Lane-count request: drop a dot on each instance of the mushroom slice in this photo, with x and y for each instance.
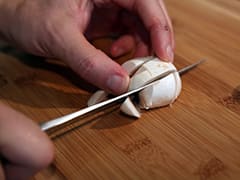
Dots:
(132, 66)
(129, 108)
(162, 93)
(178, 84)
(148, 72)
(97, 97)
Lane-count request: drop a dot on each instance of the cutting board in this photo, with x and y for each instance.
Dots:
(198, 137)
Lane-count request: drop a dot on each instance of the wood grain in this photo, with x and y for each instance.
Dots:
(197, 138)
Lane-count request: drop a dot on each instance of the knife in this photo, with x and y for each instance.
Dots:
(67, 118)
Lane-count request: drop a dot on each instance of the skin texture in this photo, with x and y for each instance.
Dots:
(63, 29)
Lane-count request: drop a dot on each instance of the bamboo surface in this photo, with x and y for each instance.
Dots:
(198, 137)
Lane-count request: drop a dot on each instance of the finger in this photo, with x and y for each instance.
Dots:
(122, 45)
(156, 21)
(24, 146)
(141, 50)
(140, 35)
(92, 64)
(1, 172)
(127, 43)
(161, 3)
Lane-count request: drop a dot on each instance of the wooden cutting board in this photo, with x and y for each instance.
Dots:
(197, 138)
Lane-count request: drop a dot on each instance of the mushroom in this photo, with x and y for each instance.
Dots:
(142, 71)
(97, 97)
(129, 108)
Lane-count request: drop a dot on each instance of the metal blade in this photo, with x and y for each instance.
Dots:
(64, 119)
(188, 68)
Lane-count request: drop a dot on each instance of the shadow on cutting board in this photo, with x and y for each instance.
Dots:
(32, 80)
(236, 94)
(108, 117)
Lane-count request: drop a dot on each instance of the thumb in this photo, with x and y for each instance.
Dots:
(93, 65)
(23, 145)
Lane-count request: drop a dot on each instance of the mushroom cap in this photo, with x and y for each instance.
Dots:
(132, 66)
(97, 97)
(149, 71)
(162, 93)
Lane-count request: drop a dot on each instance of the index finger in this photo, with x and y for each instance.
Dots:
(154, 16)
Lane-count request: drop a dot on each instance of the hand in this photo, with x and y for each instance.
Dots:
(24, 149)
(61, 29)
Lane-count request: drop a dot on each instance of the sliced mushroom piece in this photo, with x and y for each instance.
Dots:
(148, 72)
(162, 93)
(178, 84)
(129, 108)
(97, 97)
(132, 66)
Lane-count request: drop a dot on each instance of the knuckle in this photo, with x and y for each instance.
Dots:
(157, 24)
(85, 66)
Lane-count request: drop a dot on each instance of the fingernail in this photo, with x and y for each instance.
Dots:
(170, 54)
(117, 84)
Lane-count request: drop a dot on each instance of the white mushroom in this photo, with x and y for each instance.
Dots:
(148, 72)
(162, 93)
(97, 97)
(128, 108)
(143, 71)
(132, 66)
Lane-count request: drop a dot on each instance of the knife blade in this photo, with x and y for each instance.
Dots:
(67, 118)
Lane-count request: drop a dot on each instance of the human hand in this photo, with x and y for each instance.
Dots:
(61, 29)
(24, 148)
